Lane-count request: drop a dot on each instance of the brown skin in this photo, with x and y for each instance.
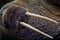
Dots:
(53, 6)
(54, 2)
(55, 9)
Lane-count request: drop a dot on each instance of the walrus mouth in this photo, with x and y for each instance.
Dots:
(14, 18)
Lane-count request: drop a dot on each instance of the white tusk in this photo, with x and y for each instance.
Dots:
(33, 28)
(39, 16)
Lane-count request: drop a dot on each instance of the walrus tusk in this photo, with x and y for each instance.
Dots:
(33, 28)
(39, 16)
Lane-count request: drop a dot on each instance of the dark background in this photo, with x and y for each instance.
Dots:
(3, 2)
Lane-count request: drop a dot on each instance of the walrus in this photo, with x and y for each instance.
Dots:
(20, 32)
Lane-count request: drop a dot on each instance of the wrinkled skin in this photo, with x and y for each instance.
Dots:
(43, 25)
(54, 2)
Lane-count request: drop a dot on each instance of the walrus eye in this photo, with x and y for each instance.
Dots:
(39, 16)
